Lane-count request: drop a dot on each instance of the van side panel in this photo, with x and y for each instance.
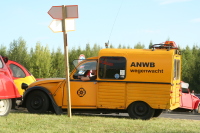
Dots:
(152, 66)
(156, 95)
(119, 95)
(149, 76)
(111, 95)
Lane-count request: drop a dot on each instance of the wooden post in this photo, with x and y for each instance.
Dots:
(66, 61)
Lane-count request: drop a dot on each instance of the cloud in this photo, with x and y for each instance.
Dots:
(165, 2)
(196, 20)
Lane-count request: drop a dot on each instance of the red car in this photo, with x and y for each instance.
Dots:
(20, 75)
(8, 90)
(189, 102)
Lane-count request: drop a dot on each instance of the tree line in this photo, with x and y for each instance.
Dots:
(45, 63)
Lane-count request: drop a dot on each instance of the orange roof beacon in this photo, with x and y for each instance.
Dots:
(141, 82)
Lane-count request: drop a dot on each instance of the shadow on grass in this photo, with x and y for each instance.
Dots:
(19, 110)
(111, 115)
(25, 111)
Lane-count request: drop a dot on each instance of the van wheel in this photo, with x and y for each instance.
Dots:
(37, 102)
(157, 112)
(140, 110)
(5, 106)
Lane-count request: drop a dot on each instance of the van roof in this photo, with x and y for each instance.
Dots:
(120, 52)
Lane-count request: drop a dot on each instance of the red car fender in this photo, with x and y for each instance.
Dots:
(196, 105)
(7, 87)
(195, 101)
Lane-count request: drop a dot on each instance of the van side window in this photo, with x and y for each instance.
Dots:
(176, 69)
(112, 67)
(86, 69)
(17, 71)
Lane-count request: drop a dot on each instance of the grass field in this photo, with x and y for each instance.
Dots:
(50, 123)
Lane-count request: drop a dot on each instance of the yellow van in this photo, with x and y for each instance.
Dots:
(141, 82)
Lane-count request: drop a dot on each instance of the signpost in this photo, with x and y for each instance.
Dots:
(71, 11)
(63, 23)
(56, 25)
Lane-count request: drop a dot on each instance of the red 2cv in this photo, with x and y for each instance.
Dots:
(188, 102)
(8, 90)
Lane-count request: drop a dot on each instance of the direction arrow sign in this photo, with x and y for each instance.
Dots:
(56, 25)
(55, 12)
(71, 12)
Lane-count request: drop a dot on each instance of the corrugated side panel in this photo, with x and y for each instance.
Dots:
(156, 95)
(111, 95)
(175, 97)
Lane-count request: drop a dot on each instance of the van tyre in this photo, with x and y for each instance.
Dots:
(5, 106)
(140, 110)
(157, 112)
(37, 102)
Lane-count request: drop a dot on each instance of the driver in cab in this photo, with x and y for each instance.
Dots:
(90, 74)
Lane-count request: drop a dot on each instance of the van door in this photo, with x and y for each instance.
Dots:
(176, 87)
(83, 93)
(112, 85)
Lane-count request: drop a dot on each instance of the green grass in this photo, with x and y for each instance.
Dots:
(51, 123)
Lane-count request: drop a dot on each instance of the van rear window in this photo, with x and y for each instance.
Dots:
(177, 66)
(112, 67)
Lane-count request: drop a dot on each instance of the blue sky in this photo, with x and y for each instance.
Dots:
(124, 22)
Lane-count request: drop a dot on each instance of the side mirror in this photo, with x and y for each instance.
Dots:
(24, 86)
